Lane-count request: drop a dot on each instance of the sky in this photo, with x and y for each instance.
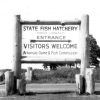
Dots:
(60, 10)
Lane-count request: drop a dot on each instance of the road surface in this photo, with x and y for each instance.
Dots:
(51, 92)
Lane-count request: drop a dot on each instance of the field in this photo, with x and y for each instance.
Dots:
(52, 92)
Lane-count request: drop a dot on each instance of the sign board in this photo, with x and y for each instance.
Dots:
(51, 42)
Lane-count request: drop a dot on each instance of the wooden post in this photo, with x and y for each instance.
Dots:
(78, 79)
(17, 56)
(21, 86)
(84, 55)
(90, 84)
(9, 82)
(29, 74)
(85, 33)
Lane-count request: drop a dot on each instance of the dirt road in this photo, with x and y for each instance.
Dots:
(52, 92)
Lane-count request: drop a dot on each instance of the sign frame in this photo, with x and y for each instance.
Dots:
(38, 22)
(18, 36)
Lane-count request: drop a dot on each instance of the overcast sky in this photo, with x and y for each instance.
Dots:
(42, 10)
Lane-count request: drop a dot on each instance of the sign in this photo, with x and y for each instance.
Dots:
(51, 42)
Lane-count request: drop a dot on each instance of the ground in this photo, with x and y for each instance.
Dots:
(52, 92)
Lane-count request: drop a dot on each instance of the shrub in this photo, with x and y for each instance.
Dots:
(56, 76)
(97, 75)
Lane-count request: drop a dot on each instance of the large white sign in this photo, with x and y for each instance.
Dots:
(51, 42)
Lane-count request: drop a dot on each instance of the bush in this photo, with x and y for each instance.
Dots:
(56, 76)
(62, 75)
(97, 75)
(66, 73)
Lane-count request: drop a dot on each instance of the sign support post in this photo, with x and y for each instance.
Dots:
(84, 55)
(17, 57)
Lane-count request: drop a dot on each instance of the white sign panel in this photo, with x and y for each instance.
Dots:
(51, 42)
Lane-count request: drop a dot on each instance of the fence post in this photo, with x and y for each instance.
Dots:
(90, 84)
(29, 74)
(21, 86)
(9, 82)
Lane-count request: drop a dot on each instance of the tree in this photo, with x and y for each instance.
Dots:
(94, 51)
